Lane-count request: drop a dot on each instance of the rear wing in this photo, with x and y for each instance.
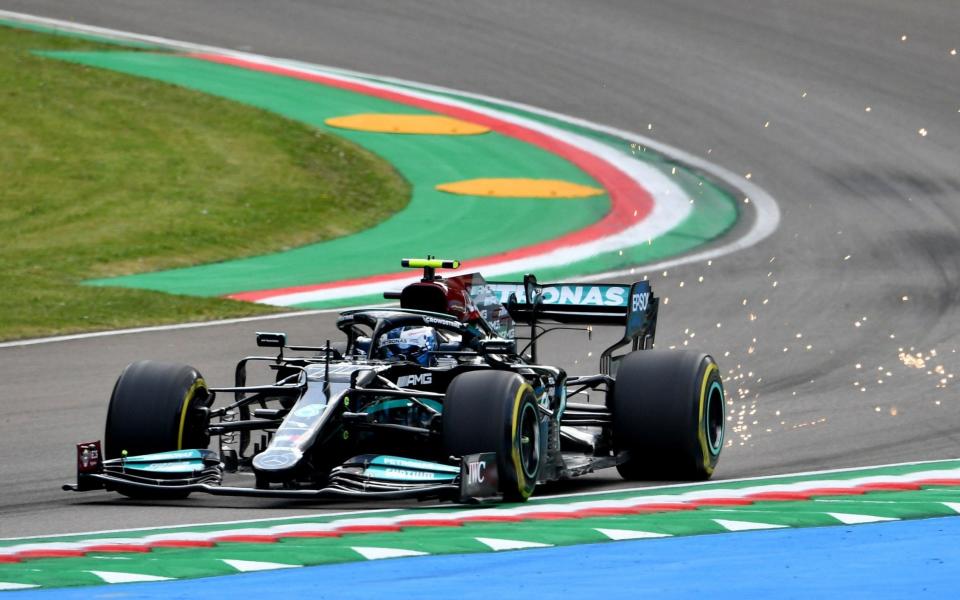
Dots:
(498, 305)
(634, 307)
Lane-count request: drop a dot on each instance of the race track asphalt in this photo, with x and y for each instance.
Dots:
(866, 260)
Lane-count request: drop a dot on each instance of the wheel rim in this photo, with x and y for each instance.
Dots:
(529, 430)
(714, 420)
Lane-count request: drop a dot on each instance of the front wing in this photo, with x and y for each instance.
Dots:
(182, 472)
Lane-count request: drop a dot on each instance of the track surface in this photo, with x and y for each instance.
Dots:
(850, 182)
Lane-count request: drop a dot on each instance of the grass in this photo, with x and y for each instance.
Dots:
(105, 174)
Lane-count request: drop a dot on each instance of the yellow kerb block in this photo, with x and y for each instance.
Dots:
(410, 124)
(520, 188)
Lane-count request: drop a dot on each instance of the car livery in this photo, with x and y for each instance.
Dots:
(476, 418)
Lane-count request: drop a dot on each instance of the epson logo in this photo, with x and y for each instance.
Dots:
(415, 379)
(640, 301)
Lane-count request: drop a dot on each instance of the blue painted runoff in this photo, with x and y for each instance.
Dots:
(885, 560)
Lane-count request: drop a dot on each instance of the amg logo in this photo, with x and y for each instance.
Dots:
(412, 380)
(476, 472)
(640, 301)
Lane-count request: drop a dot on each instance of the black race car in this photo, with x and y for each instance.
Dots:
(432, 399)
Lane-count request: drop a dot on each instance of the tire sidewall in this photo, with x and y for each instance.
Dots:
(711, 399)
(516, 483)
(149, 409)
(484, 411)
(662, 404)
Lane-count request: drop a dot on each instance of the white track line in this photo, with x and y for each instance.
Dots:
(535, 504)
(711, 492)
(767, 212)
(742, 479)
(176, 326)
(365, 511)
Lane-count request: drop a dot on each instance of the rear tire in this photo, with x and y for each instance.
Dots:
(154, 408)
(668, 413)
(496, 411)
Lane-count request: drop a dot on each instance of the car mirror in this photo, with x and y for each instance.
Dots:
(498, 346)
(271, 340)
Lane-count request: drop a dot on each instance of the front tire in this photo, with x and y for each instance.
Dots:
(156, 407)
(668, 413)
(496, 411)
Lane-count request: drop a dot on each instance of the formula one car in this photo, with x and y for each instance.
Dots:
(433, 399)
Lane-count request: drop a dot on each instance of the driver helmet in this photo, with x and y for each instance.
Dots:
(409, 343)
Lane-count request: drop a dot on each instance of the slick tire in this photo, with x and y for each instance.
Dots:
(496, 411)
(156, 407)
(668, 414)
